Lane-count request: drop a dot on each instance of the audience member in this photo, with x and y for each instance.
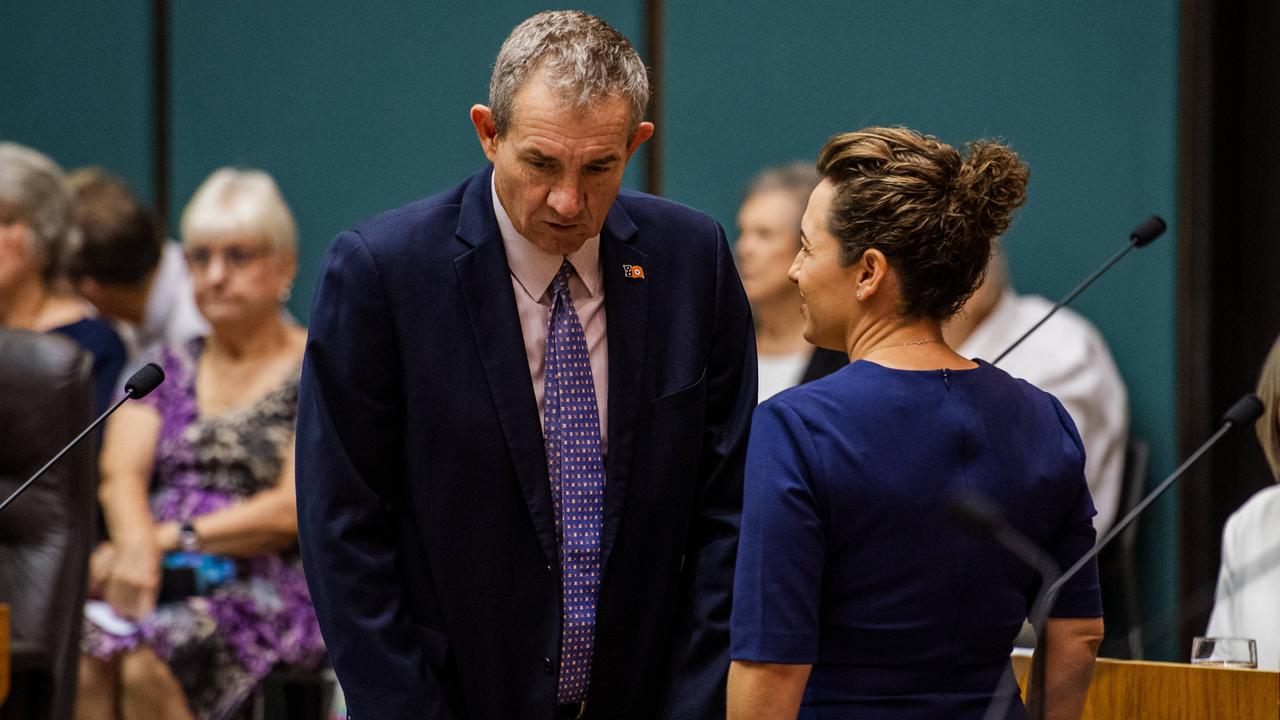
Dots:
(1249, 579)
(37, 233)
(855, 594)
(201, 472)
(768, 240)
(1067, 358)
(128, 271)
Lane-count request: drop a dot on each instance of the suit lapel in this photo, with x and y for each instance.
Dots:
(626, 313)
(485, 280)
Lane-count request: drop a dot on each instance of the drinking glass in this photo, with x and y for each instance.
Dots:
(1225, 652)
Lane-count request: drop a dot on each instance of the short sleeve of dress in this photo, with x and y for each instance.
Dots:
(778, 583)
(1081, 596)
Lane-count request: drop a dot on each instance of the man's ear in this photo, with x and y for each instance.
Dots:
(643, 132)
(486, 131)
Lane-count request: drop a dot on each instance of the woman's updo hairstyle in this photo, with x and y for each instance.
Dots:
(933, 213)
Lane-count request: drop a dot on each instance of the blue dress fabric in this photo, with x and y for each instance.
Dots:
(96, 336)
(849, 562)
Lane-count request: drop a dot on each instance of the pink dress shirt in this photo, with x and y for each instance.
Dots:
(531, 273)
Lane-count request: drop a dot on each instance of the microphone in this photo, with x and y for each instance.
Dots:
(1146, 231)
(1244, 411)
(139, 384)
(981, 517)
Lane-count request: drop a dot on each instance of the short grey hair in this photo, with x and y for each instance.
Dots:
(234, 202)
(580, 56)
(34, 190)
(797, 179)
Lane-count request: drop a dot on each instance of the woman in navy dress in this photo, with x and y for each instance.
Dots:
(855, 596)
(37, 231)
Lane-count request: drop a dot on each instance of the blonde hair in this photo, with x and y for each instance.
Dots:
(1268, 426)
(240, 202)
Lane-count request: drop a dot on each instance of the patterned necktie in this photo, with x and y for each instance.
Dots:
(576, 468)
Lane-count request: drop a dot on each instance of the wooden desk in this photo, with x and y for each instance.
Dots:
(4, 652)
(1129, 690)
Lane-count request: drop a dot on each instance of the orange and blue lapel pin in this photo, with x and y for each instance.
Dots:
(633, 272)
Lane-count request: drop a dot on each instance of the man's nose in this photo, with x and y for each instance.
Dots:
(566, 197)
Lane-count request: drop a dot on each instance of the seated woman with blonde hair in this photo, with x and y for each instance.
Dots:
(201, 473)
(1248, 591)
(856, 596)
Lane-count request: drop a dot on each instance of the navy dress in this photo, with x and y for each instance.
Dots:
(849, 563)
(96, 336)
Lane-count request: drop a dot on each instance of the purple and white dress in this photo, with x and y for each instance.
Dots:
(221, 645)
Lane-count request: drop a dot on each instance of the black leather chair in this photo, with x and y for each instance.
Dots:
(46, 399)
(1118, 565)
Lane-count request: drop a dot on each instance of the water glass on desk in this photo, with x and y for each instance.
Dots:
(1224, 652)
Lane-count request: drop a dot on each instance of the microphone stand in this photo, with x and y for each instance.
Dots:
(1149, 230)
(140, 383)
(977, 513)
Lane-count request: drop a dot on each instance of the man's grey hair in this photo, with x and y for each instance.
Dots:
(34, 191)
(797, 179)
(580, 56)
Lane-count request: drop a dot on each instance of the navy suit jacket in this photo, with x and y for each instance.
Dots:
(424, 508)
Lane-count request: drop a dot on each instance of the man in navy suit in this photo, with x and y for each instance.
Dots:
(523, 419)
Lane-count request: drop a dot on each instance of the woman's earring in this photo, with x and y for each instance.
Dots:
(286, 294)
(859, 294)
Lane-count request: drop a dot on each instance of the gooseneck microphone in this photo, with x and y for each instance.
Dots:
(142, 382)
(1148, 230)
(1244, 411)
(981, 517)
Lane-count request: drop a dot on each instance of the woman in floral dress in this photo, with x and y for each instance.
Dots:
(204, 465)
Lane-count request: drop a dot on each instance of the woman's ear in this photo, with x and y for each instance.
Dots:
(869, 272)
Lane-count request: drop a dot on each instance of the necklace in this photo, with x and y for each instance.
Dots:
(898, 345)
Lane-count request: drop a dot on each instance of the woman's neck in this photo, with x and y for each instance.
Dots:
(904, 344)
(247, 342)
(33, 305)
(22, 303)
(779, 326)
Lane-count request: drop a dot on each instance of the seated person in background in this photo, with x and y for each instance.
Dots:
(768, 239)
(205, 464)
(1067, 358)
(128, 271)
(37, 232)
(855, 595)
(1247, 603)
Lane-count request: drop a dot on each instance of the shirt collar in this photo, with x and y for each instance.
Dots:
(160, 302)
(533, 268)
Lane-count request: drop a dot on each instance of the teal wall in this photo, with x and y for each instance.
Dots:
(355, 112)
(75, 83)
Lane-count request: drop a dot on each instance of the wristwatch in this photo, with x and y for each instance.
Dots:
(188, 538)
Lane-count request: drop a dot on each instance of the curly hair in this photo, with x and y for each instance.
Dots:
(933, 213)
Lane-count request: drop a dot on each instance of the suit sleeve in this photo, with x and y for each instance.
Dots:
(700, 659)
(349, 475)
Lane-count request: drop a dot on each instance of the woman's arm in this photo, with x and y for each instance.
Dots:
(1072, 647)
(765, 691)
(126, 461)
(265, 522)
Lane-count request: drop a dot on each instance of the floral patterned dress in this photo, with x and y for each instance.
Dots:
(221, 645)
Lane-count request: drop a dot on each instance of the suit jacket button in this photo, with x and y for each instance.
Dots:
(548, 567)
(547, 667)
